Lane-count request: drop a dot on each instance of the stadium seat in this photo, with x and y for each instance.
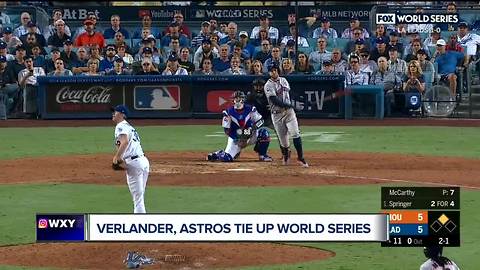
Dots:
(312, 42)
(342, 43)
(331, 44)
(305, 50)
(109, 41)
(432, 49)
(317, 66)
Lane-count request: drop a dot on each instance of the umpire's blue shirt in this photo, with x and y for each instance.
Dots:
(447, 62)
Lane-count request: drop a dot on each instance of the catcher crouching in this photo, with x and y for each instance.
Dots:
(243, 126)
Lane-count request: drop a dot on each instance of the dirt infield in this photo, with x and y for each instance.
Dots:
(191, 169)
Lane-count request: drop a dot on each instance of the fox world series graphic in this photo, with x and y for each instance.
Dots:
(60, 227)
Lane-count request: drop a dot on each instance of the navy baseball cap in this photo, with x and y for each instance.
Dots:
(121, 109)
(324, 20)
(173, 57)
(353, 18)
(290, 43)
(273, 65)
(118, 59)
(31, 24)
(359, 41)
(394, 33)
(3, 45)
(147, 50)
(3, 59)
(7, 30)
(380, 40)
(327, 63)
(463, 24)
(67, 42)
(206, 40)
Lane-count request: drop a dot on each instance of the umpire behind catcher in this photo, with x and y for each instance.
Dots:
(257, 98)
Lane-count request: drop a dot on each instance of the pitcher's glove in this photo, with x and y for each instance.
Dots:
(117, 166)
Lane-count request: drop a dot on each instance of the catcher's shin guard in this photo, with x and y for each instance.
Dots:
(263, 141)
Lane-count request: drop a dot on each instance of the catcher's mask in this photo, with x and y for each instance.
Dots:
(258, 86)
(433, 251)
(238, 100)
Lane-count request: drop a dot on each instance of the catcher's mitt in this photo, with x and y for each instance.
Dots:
(244, 135)
(117, 166)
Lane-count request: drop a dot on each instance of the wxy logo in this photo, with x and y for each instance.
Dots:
(55, 223)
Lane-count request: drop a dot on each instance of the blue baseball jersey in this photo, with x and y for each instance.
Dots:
(234, 121)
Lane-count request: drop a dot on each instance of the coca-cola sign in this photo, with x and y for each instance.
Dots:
(83, 98)
(92, 95)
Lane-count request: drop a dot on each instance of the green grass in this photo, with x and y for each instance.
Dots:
(21, 202)
(438, 141)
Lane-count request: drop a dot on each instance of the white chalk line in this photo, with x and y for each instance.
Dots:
(399, 180)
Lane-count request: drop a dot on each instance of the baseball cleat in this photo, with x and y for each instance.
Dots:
(212, 157)
(303, 162)
(265, 158)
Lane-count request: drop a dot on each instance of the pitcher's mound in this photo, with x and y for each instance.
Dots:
(167, 255)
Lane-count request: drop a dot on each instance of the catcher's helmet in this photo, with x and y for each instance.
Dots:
(434, 251)
(238, 94)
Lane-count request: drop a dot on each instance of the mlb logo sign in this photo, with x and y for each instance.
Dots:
(217, 101)
(385, 18)
(157, 97)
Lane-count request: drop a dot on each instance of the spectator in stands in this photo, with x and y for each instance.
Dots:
(4, 52)
(451, 9)
(32, 30)
(469, 40)
(147, 54)
(355, 26)
(203, 34)
(95, 52)
(354, 76)
(50, 63)
(302, 42)
(231, 37)
(276, 57)
(366, 65)
(265, 52)
(92, 65)
(262, 35)
(355, 46)
(184, 60)
(247, 47)
(395, 64)
(206, 69)
(126, 57)
(183, 28)
(90, 36)
(93, 18)
(11, 40)
(426, 66)
(18, 64)
(447, 62)
(239, 51)
(394, 42)
(25, 18)
(380, 50)
(327, 68)
(60, 69)
(32, 41)
(432, 39)
(205, 51)
(173, 47)
(287, 67)
(273, 34)
(38, 59)
(107, 63)
(413, 80)
(413, 36)
(4, 18)
(118, 68)
(213, 29)
(59, 36)
(302, 64)
(453, 44)
(157, 56)
(325, 30)
(68, 55)
(27, 79)
(222, 62)
(80, 65)
(389, 80)
(257, 68)
(214, 39)
(247, 65)
(8, 86)
(147, 24)
(109, 33)
(173, 68)
(235, 68)
(289, 50)
(174, 32)
(339, 64)
(412, 54)
(57, 14)
(223, 30)
(119, 39)
(380, 32)
(137, 48)
(321, 54)
(303, 28)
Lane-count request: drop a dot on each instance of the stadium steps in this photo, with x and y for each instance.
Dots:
(463, 108)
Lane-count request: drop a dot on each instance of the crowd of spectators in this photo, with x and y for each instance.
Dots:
(382, 55)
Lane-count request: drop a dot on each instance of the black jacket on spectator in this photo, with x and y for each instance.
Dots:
(69, 60)
(262, 56)
(56, 41)
(375, 54)
(40, 39)
(189, 66)
(13, 68)
(5, 78)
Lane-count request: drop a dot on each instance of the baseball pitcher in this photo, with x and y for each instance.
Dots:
(243, 126)
(283, 116)
(436, 261)
(129, 151)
